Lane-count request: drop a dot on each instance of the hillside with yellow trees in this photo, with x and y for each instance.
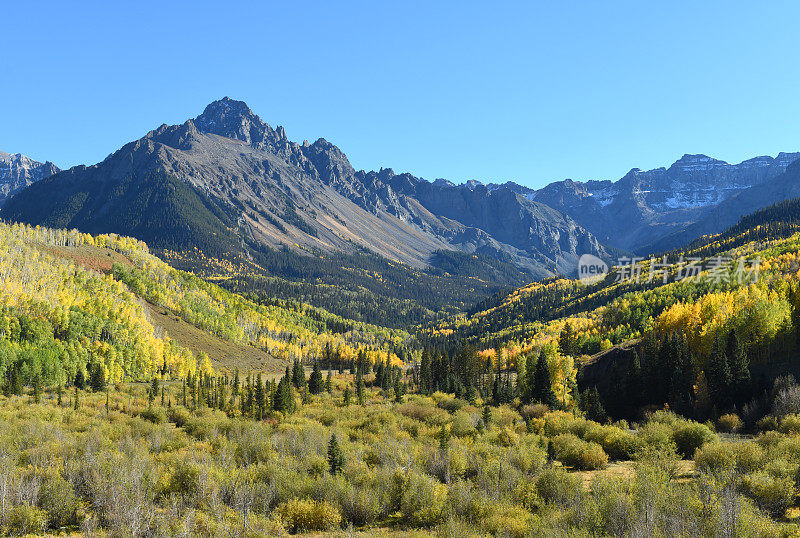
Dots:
(73, 302)
(711, 323)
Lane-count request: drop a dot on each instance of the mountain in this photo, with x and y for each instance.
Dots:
(645, 206)
(228, 184)
(18, 171)
(783, 187)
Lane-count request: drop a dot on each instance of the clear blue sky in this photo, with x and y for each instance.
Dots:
(530, 92)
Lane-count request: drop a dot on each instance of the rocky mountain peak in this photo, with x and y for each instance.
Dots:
(18, 171)
(234, 119)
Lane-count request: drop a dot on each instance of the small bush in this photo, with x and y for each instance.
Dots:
(690, 436)
(452, 405)
(574, 452)
(730, 423)
(507, 520)
(179, 416)
(715, 458)
(59, 500)
(26, 519)
(766, 424)
(790, 424)
(154, 415)
(534, 411)
(558, 487)
(771, 494)
(592, 457)
(184, 480)
(308, 515)
(423, 501)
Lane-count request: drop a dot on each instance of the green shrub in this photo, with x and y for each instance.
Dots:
(451, 405)
(574, 452)
(59, 500)
(25, 519)
(423, 501)
(768, 423)
(616, 506)
(179, 416)
(154, 415)
(729, 423)
(592, 457)
(715, 458)
(308, 515)
(617, 443)
(689, 436)
(558, 487)
(505, 519)
(656, 436)
(790, 424)
(771, 494)
(184, 479)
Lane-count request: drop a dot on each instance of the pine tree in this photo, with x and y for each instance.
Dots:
(592, 406)
(719, 376)
(260, 399)
(567, 341)
(487, 416)
(542, 385)
(298, 375)
(80, 379)
(444, 439)
(346, 395)
(315, 385)
(76, 403)
(60, 393)
(329, 383)
(360, 388)
(97, 377)
(335, 456)
(739, 367)
(37, 389)
(425, 373)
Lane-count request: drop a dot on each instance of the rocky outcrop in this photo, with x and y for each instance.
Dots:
(18, 171)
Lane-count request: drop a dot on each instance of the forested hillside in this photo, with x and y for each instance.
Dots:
(719, 317)
(74, 302)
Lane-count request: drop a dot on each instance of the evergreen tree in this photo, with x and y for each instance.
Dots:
(60, 393)
(567, 341)
(592, 406)
(426, 373)
(487, 416)
(80, 379)
(542, 385)
(739, 367)
(718, 375)
(335, 456)
(444, 439)
(260, 399)
(37, 389)
(346, 395)
(315, 385)
(97, 377)
(329, 383)
(298, 375)
(360, 389)
(76, 402)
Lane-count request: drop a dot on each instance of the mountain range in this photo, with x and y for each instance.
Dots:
(18, 171)
(227, 185)
(226, 181)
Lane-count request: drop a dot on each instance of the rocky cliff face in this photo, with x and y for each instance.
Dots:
(250, 180)
(644, 206)
(18, 171)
